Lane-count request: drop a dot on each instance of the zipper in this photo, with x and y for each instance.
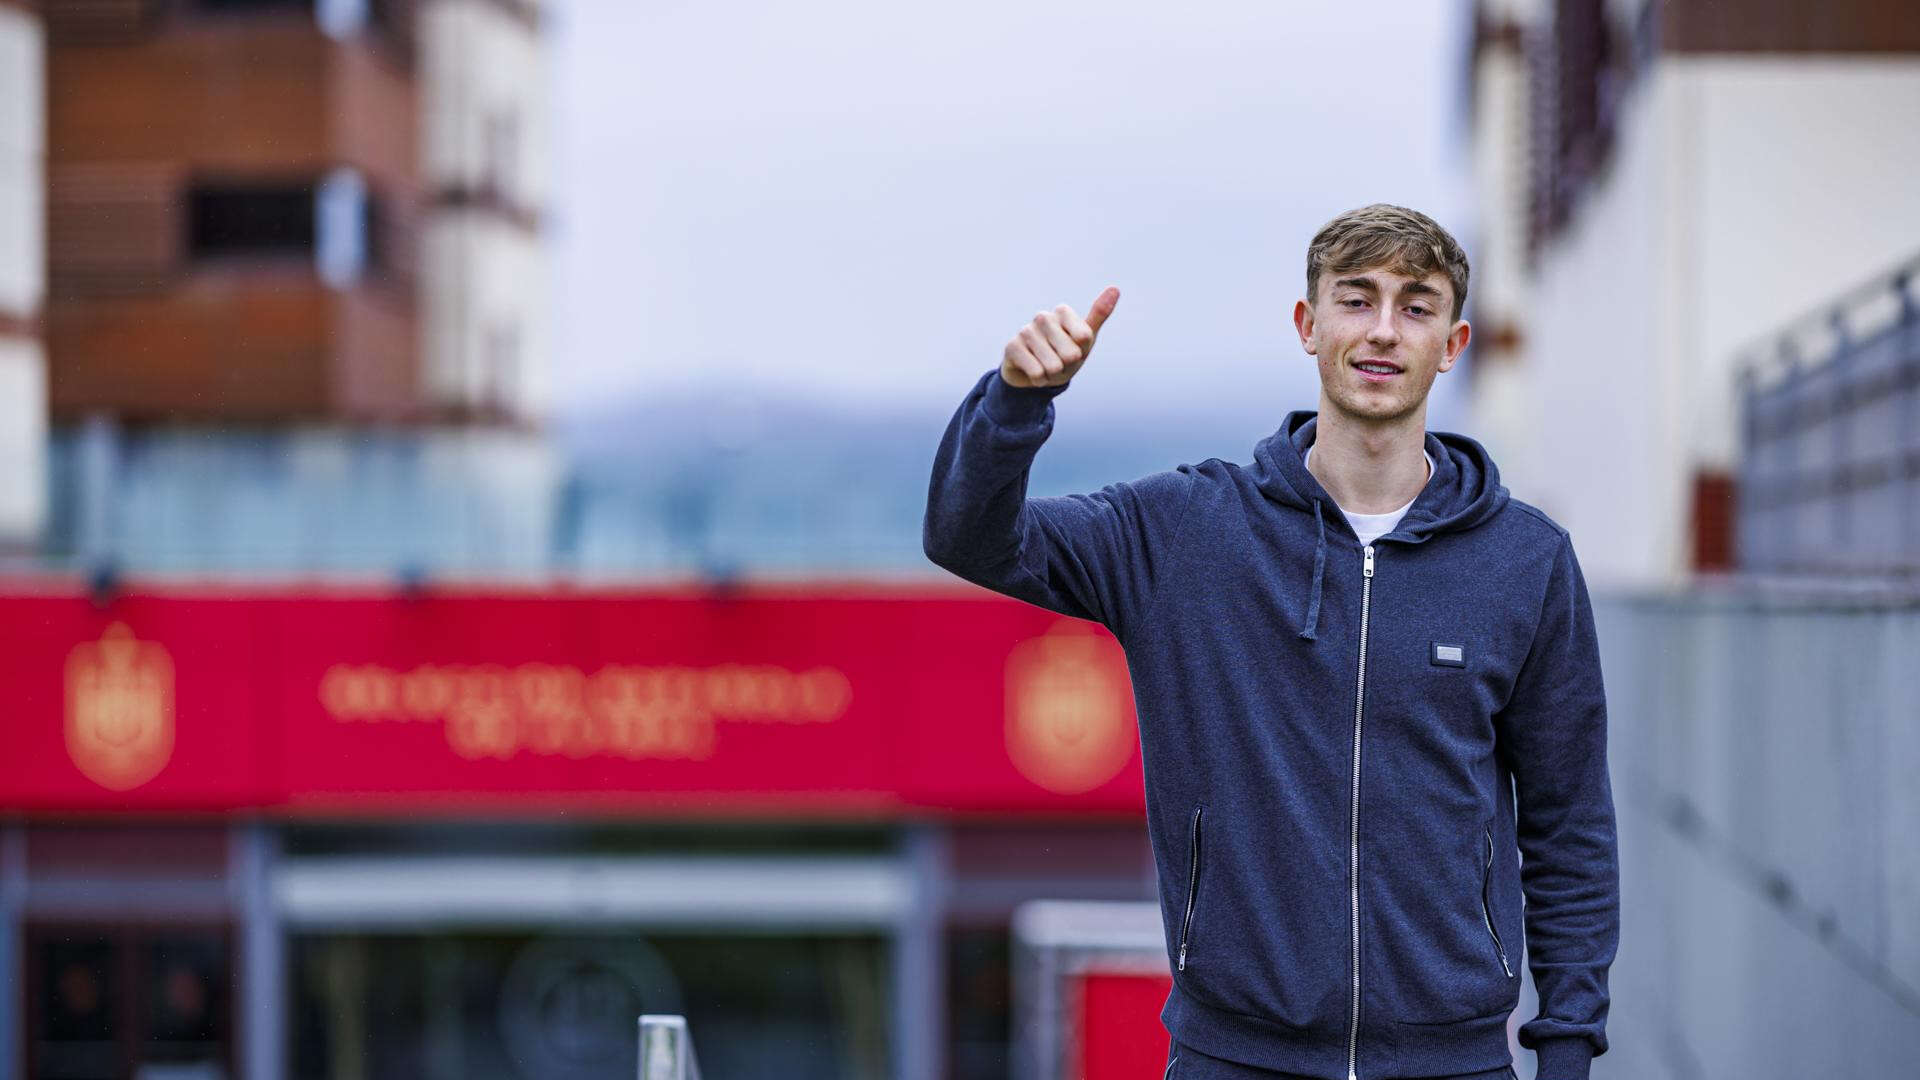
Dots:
(1193, 885)
(1486, 905)
(1359, 707)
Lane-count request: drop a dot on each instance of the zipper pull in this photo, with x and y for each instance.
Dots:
(1369, 567)
(1183, 958)
(1351, 1076)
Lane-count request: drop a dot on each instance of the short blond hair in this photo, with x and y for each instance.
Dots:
(1392, 237)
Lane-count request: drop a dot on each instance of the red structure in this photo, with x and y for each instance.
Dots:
(317, 832)
(756, 701)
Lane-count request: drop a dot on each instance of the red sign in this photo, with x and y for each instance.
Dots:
(1120, 1033)
(755, 699)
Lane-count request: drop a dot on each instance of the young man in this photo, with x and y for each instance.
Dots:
(1366, 681)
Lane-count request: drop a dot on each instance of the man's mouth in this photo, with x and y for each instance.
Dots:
(1377, 370)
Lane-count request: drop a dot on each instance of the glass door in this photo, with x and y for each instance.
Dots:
(116, 1001)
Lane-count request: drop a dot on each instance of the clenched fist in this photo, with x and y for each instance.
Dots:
(1048, 350)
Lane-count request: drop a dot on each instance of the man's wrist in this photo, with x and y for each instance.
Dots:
(1568, 1058)
(1018, 406)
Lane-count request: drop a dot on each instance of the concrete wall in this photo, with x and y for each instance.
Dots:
(1763, 752)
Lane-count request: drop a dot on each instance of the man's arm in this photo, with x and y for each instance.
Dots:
(1095, 556)
(1553, 735)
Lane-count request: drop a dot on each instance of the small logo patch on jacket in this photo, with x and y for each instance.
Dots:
(1449, 655)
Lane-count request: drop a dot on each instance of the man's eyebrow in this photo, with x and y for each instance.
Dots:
(1419, 288)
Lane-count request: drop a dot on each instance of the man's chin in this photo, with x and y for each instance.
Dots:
(1374, 412)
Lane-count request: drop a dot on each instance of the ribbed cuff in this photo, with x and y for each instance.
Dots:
(1562, 1059)
(1017, 406)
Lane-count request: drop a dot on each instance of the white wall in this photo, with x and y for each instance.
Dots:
(485, 77)
(1501, 402)
(485, 287)
(23, 396)
(23, 440)
(22, 150)
(1742, 191)
(1590, 446)
(484, 292)
(1803, 180)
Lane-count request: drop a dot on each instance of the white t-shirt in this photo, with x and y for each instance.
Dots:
(1373, 526)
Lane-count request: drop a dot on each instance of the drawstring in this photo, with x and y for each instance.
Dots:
(1319, 564)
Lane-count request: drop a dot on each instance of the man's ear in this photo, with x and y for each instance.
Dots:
(1456, 341)
(1303, 323)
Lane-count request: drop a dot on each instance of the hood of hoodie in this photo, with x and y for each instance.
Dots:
(1463, 491)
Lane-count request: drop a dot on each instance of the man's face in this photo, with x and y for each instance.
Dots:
(1377, 315)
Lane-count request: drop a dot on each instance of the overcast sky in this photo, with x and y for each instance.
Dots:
(860, 202)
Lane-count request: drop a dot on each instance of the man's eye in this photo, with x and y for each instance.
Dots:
(1349, 303)
(1420, 310)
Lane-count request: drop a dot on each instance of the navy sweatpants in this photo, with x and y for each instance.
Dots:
(1186, 1063)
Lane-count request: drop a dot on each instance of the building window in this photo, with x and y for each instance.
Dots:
(128, 1000)
(344, 209)
(263, 219)
(252, 5)
(336, 222)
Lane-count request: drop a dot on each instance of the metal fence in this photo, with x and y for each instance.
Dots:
(1830, 466)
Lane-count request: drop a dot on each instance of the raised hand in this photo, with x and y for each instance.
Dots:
(1051, 348)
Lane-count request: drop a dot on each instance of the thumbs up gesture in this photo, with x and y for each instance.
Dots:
(1048, 350)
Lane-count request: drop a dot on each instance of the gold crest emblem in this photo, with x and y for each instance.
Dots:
(119, 708)
(1068, 727)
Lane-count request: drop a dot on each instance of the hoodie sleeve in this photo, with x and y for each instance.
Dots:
(1095, 556)
(1553, 731)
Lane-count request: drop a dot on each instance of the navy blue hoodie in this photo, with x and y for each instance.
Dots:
(1347, 749)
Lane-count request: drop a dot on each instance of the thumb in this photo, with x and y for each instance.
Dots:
(1103, 306)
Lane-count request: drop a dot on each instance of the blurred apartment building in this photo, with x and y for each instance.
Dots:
(1667, 188)
(295, 303)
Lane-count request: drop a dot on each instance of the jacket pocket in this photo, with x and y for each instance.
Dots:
(1486, 905)
(1193, 885)
(1257, 920)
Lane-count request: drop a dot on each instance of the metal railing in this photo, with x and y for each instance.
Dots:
(666, 1048)
(1830, 430)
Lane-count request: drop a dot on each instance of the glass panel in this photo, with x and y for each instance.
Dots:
(75, 1029)
(979, 1004)
(566, 1007)
(185, 1011)
(250, 220)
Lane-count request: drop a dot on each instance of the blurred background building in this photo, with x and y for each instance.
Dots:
(1662, 183)
(296, 316)
(1696, 347)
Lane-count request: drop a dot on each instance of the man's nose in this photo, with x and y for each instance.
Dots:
(1382, 331)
